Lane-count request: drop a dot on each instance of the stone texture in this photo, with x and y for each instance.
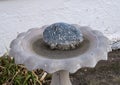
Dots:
(116, 45)
(62, 36)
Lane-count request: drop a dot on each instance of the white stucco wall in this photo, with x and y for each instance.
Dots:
(20, 15)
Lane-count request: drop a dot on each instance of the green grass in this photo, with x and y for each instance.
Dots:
(12, 74)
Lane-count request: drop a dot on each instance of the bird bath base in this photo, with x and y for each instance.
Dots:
(61, 78)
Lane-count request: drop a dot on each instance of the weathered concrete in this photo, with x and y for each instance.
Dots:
(61, 78)
(30, 49)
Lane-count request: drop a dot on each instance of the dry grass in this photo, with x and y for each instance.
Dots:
(12, 74)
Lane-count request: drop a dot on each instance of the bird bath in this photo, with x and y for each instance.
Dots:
(45, 48)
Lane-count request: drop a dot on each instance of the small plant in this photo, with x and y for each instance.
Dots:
(12, 74)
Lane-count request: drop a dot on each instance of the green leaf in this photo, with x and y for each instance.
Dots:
(27, 78)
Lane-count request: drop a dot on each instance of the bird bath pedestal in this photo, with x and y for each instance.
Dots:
(59, 49)
(61, 78)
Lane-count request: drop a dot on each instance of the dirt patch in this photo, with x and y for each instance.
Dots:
(105, 72)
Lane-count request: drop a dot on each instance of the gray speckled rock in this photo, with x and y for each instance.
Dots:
(116, 45)
(62, 36)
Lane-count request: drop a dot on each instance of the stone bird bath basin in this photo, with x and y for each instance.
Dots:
(35, 50)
